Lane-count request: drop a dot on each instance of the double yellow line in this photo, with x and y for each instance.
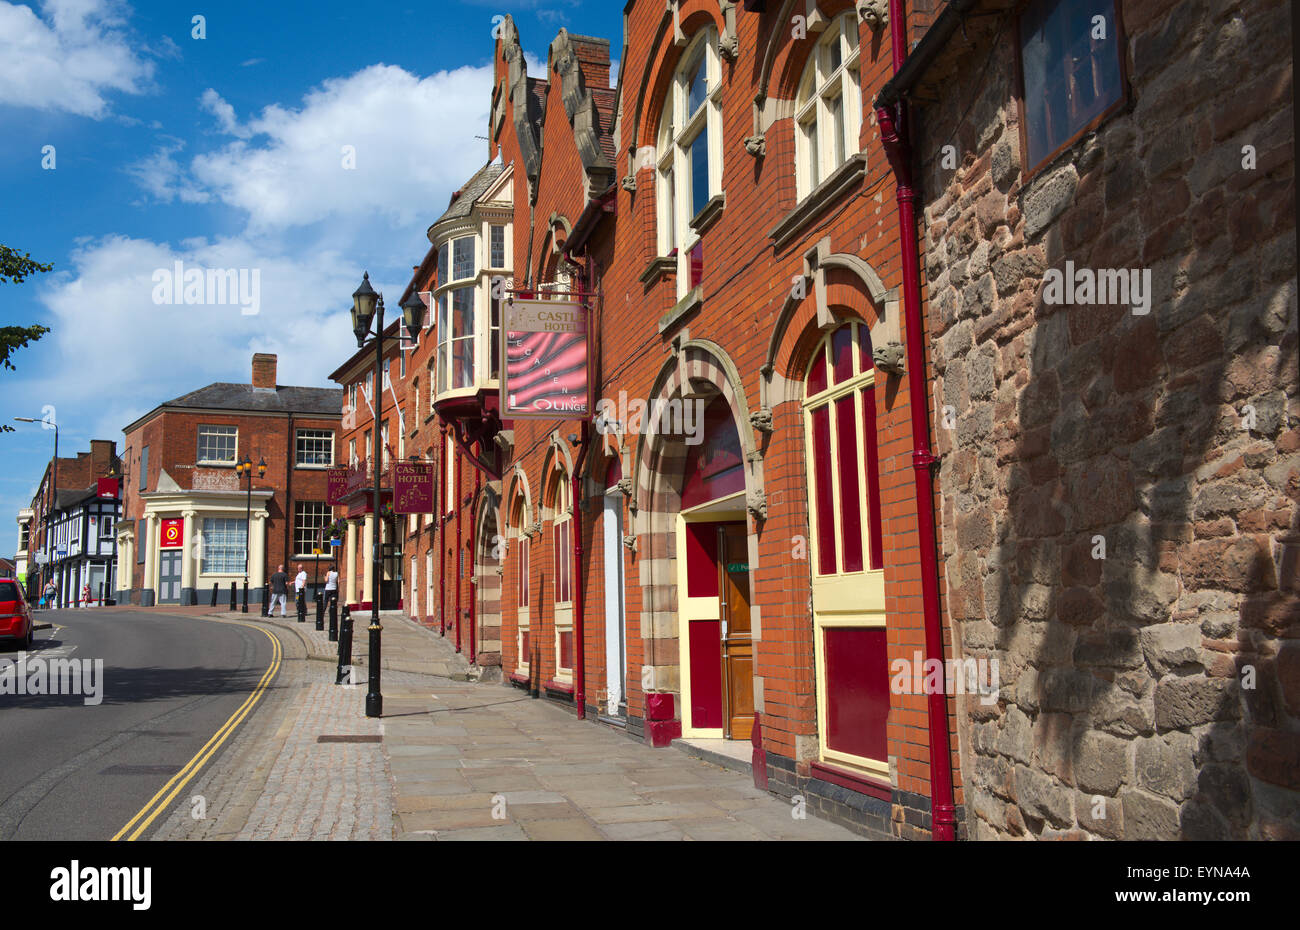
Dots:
(168, 792)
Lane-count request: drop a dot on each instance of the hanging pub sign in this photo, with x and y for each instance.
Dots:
(336, 485)
(546, 360)
(172, 534)
(413, 487)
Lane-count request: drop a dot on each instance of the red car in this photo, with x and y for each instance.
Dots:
(16, 623)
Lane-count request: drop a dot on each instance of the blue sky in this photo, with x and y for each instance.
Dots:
(224, 152)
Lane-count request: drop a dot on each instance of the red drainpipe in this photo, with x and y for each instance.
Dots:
(893, 135)
(442, 541)
(579, 632)
(473, 597)
(459, 553)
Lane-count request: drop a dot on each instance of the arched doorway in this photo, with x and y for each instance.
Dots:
(489, 560)
(714, 591)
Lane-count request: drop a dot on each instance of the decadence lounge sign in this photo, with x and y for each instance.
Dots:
(546, 360)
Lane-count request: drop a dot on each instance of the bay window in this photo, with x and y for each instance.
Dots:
(828, 107)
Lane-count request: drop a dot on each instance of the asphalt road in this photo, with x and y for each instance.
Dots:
(73, 771)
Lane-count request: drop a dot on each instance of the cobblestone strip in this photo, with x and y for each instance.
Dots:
(332, 790)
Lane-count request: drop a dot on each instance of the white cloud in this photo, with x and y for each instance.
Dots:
(164, 179)
(225, 114)
(69, 59)
(102, 315)
(413, 140)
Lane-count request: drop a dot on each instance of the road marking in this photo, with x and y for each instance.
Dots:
(154, 807)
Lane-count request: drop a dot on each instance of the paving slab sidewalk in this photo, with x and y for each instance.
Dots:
(466, 760)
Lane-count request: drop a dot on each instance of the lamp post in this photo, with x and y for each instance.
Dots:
(245, 469)
(368, 306)
(53, 495)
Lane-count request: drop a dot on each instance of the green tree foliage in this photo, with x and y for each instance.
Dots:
(17, 268)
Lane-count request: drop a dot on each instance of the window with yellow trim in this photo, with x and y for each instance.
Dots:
(846, 551)
(561, 498)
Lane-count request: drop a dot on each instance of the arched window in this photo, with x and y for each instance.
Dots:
(848, 588)
(561, 500)
(689, 149)
(840, 413)
(828, 107)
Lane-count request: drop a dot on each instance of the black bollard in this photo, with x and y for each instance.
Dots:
(301, 599)
(214, 594)
(244, 608)
(234, 597)
(345, 645)
(334, 617)
(320, 611)
(266, 599)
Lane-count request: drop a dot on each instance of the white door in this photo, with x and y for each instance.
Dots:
(615, 644)
(415, 594)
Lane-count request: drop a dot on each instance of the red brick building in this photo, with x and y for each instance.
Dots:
(356, 451)
(189, 520)
(741, 266)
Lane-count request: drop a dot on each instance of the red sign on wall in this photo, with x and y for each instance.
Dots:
(336, 485)
(172, 534)
(106, 487)
(546, 360)
(413, 487)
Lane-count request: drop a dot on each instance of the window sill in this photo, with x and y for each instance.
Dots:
(854, 781)
(559, 687)
(822, 196)
(658, 268)
(709, 213)
(312, 467)
(687, 305)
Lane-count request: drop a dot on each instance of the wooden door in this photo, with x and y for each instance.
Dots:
(737, 643)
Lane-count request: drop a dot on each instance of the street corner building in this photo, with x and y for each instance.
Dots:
(195, 525)
(862, 394)
(68, 534)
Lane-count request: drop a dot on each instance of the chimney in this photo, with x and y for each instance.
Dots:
(593, 60)
(263, 372)
(103, 452)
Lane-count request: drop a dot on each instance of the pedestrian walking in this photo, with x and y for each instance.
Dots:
(331, 583)
(48, 594)
(279, 590)
(85, 594)
(300, 589)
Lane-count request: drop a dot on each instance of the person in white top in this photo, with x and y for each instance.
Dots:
(300, 580)
(331, 583)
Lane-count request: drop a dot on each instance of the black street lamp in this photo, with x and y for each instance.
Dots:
(368, 306)
(245, 469)
(53, 498)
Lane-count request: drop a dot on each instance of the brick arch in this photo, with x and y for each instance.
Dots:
(657, 484)
(841, 281)
(557, 457)
(691, 16)
(518, 488)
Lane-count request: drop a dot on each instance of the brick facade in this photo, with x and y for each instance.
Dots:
(169, 483)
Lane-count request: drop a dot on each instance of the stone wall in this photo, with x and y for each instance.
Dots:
(1121, 491)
